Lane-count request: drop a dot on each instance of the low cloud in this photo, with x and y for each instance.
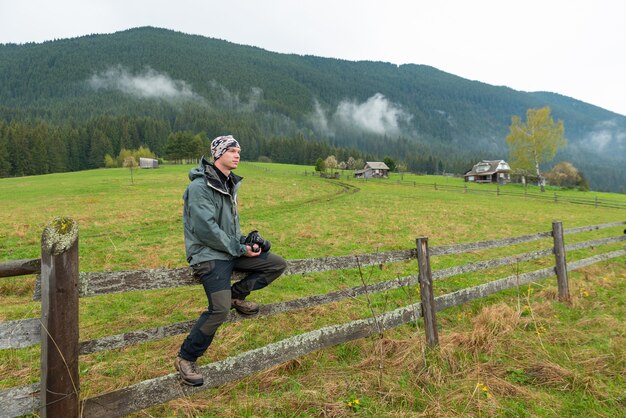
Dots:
(319, 120)
(376, 115)
(231, 101)
(149, 84)
(606, 137)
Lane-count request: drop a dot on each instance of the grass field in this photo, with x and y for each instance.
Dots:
(518, 353)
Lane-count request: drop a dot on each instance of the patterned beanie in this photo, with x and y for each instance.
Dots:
(220, 144)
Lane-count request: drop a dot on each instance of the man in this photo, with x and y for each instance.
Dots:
(215, 248)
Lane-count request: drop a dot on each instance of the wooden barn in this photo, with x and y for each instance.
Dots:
(148, 163)
(490, 171)
(372, 170)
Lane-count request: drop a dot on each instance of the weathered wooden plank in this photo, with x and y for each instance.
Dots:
(20, 333)
(134, 337)
(594, 243)
(338, 295)
(20, 401)
(471, 293)
(122, 281)
(14, 268)
(102, 283)
(485, 245)
(575, 265)
(492, 263)
(316, 265)
(162, 389)
(592, 227)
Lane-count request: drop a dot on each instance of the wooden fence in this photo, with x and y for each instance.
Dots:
(498, 190)
(58, 392)
(488, 189)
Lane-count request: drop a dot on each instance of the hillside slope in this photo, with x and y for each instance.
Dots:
(202, 84)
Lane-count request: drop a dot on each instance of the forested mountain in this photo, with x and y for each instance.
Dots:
(65, 104)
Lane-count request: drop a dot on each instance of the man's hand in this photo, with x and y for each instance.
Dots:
(252, 251)
(254, 238)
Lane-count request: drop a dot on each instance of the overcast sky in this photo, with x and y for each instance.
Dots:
(573, 47)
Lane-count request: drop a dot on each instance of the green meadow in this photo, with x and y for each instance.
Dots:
(518, 353)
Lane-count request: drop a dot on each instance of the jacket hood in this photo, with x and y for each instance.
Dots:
(199, 171)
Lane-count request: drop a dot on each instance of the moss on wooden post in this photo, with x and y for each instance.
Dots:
(59, 235)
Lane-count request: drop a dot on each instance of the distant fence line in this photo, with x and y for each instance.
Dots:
(57, 330)
(500, 190)
(503, 190)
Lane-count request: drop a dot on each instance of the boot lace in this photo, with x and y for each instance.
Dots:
(193, 367)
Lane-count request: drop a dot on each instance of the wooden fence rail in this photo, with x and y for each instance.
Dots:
(24, 333)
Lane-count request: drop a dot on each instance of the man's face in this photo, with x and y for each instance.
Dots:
(230, 159)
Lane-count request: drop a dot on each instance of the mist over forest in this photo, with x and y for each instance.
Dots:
(66, 104)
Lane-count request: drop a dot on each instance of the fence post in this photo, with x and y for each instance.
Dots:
(426, 292)
(561, 264)
(59, 387)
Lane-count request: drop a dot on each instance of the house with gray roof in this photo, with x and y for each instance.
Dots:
(490, 171)
(372, 169)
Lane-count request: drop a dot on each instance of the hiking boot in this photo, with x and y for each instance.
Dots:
(244, 307)
(188, 372)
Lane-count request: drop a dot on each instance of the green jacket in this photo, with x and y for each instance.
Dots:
(210, 216)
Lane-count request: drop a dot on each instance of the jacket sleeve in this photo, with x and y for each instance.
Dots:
(201, 207)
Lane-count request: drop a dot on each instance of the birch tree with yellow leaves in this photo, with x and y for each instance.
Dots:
(535, 141)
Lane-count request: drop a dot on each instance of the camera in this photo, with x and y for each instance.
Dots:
(255, 238)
